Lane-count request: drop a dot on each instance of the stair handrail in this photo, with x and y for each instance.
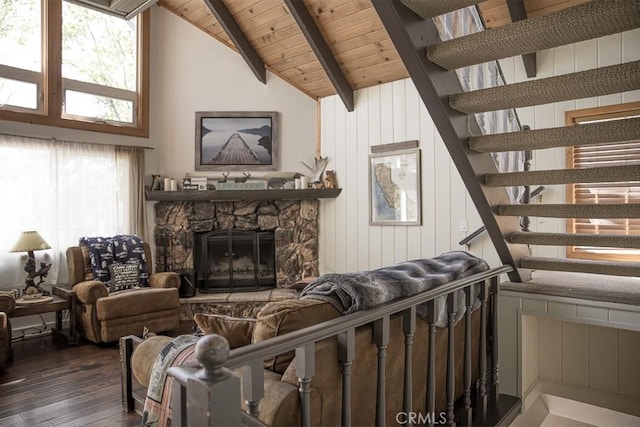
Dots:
(480, 230)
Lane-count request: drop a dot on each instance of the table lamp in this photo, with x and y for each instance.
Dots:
(28, 242)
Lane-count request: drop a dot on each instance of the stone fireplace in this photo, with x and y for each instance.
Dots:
(294, 224)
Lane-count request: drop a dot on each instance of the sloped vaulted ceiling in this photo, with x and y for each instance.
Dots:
(351, 31)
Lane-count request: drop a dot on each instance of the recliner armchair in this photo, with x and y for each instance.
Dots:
(102, 317)
(7, 305)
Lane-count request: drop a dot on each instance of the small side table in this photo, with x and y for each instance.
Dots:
(54, 303)
(69, 337)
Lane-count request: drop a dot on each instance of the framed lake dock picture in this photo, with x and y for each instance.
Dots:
(394, 188)
(236, 141)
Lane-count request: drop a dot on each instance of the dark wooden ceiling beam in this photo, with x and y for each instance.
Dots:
(239, 39)
(322, 51)
(518, 12)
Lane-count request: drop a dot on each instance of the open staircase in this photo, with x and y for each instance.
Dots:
(431, 63)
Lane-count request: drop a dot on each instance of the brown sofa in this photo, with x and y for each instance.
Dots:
(7, 305)
(281, 407)
(102, 317)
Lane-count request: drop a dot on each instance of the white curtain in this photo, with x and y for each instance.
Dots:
(467, 21)
(63, 190)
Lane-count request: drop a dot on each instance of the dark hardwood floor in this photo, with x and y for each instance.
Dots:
(51, 384)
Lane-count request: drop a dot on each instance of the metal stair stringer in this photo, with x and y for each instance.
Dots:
(411, 35)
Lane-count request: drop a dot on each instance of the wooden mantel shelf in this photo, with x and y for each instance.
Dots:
(242, 195)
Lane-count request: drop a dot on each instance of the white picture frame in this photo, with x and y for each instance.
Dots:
(394, 188)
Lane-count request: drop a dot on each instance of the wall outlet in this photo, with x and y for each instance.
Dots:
(462, 225)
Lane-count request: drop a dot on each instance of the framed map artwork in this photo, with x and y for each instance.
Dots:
(394, 188)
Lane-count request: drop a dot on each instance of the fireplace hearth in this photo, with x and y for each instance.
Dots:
(234, 260)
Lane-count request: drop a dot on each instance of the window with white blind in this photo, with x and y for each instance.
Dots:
(610, 154)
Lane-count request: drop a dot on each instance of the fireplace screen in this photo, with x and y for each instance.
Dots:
(234, 260)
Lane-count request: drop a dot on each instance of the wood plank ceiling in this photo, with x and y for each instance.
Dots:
(351, 30)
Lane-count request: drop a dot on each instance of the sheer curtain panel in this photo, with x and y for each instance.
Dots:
(64, 190)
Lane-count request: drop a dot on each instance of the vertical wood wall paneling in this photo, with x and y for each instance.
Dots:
(375, 233)
(575, 354)
(387, 113)
(350, 183)
(361, 190)
(628, 367)
(428, 153)
(530, 362)
(386, 136)
(399, 126)
(328, 210)
(550, 349)
(412, 126)
(603, 359)
(442, 197)
(341, 164)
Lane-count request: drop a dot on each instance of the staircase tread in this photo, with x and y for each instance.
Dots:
(568, 210)
(614, 268)
(582, 84)
(619, 173)
(576, 239)
(585, 21)
(585, 134)
(594, 287)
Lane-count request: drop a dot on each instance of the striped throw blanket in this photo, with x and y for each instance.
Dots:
(157, 405)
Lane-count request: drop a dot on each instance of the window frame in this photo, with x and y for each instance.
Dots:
(572, 118)
(50, 99)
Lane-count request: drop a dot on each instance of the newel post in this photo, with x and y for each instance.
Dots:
(213, 393)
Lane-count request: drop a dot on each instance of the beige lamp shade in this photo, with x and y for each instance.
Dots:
(30, 241)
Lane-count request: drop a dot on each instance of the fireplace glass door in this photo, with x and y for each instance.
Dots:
(234, 260)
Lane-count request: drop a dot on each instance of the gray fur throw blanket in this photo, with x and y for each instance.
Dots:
(351, 292)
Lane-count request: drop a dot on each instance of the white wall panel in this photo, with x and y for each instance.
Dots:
(530, 363)
(550, 348)
(575, 351)
(603, 351)
(628, 360)
(602, 359)
(361, 213)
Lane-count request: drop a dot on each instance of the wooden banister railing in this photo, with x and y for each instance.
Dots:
(208, 393)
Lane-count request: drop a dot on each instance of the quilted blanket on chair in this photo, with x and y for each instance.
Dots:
(157, 405)
(351, 292)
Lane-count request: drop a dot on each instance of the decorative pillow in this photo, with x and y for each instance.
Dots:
(100, 256)
(281, 317)
(123, 276)
(130, 249)
(236, 330)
